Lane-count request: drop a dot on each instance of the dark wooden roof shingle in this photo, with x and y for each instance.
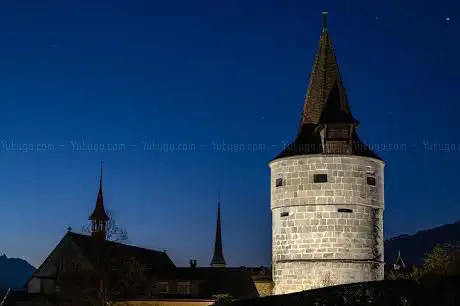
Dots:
(236, 282)
(98, 252)
(326, 102)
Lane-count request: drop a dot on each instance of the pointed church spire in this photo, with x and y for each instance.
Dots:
(218, 258)
(325, 89)
(99, 217)
(327, 125)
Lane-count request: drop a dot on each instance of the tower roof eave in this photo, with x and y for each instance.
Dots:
(308, 142)
(98, 215)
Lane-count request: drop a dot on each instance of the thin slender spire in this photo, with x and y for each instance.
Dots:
(218, 257)
(99, 216)
(99, 213)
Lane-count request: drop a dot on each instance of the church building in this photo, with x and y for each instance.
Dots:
(90, 269)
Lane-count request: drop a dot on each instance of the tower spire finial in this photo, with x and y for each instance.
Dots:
(325, 13)
(100, 177)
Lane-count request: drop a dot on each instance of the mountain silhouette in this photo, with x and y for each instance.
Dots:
(14, 272)
(413, 248)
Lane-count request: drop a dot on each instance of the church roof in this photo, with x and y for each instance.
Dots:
(100, 253)
(158, 267)
(325, 102)
(97, 252)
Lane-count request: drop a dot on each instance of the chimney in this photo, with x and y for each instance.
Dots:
(192, 263)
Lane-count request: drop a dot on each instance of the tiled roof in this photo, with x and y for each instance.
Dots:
(98, 251)
(326, 99)
(326, 102)
(233, 281)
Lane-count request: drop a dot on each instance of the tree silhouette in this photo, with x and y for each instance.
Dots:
(442, 260)
(114, 232)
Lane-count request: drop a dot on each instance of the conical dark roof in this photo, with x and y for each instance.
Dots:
(99, 213)
(326, 99)
(325, 102)
(218, 258)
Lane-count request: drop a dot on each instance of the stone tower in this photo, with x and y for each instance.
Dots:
(327, 195)
(218, 260)
(99, 217)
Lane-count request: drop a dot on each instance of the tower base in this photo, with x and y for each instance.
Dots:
(295, 276)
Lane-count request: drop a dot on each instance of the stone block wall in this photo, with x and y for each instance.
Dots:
(328, 232)
(264, 288)
(304, 275)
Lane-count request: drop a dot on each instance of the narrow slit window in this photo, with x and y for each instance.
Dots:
(279, 182)
(284, 214)
(345, 210)
(371, 181)
(320, 178)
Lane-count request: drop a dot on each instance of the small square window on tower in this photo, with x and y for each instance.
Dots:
(279, 182)
(371, 180)
(320, 178)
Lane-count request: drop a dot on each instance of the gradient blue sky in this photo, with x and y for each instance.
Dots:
(204, 72)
